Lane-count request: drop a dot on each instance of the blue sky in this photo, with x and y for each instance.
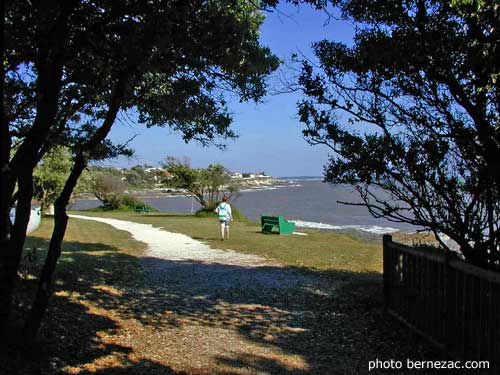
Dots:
(270, 137)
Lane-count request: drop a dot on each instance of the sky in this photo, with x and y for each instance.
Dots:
(269, 134)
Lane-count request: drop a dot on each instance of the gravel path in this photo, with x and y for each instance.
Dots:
(177, 246)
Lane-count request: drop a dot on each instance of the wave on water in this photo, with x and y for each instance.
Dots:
(365, 228)
(302, 178)
(275, 187)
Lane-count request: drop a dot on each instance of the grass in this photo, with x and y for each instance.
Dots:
(104, 319)
(87, 248)
(318, 250)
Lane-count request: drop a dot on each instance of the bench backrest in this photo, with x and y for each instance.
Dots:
(282, 220)
(273, 220)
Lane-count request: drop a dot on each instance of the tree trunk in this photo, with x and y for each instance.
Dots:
(5, 148)
(45, 284)
(20, 169)
(43, 203)
(46, 278)
(12, 248)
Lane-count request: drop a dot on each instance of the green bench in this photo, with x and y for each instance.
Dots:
(142, 209)
(279, 223)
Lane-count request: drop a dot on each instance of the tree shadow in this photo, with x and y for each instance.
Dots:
(281, 320)
(69, 339)
(142, 367)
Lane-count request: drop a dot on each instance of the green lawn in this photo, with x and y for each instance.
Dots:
(320, 250)
(87, 244)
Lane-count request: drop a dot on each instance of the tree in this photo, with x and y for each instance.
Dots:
(412, 109)
(138, 177)
(107, 188)
(72, 66)
(51, 174)
(207, 185)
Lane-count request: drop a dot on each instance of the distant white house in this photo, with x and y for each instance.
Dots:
(249, 175)
(262, 175)
(152, 169)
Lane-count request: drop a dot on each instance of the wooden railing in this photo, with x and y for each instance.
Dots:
(454, 305)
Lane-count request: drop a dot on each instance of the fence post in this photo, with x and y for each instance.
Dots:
(387, 259)
(449, 305)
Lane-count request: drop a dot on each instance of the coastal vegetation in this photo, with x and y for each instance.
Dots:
(412, 109)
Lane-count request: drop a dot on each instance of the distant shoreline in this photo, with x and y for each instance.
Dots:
(243, 184)
(307, 201)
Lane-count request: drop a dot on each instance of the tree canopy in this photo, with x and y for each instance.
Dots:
(207, 185)
(50, 175)
(412, 108)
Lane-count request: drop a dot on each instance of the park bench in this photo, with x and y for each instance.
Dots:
(142, 209)
(279, 223)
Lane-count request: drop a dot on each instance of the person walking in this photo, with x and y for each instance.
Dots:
(225, 216)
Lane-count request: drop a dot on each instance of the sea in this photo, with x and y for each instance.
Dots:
(307, 201)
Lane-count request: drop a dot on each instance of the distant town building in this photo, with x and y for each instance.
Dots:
(261, 175)
(248, 175)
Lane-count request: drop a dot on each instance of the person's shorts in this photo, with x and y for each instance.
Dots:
(225, 222)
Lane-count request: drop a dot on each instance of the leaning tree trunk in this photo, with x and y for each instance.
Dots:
(46, 278)
(20, 170)
(12, 248)
(45, 283)
(49, 65)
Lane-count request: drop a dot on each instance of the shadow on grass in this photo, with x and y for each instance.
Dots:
(142, 367)
(215, 238)
(287, 319)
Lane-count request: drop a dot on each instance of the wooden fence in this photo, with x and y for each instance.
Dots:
(454, 305)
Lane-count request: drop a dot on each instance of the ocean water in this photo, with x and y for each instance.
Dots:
(309, 202)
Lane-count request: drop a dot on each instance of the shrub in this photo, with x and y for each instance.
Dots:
(124, 203)
(205, 212)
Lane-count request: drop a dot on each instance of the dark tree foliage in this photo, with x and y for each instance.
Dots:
(71, 66)
(411, 108)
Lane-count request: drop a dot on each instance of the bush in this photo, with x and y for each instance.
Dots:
(205, 212)
(112, 202)
(124, 203)
(132, 202)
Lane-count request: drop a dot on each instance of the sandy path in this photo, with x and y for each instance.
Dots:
(210, 311)
(177, 246)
